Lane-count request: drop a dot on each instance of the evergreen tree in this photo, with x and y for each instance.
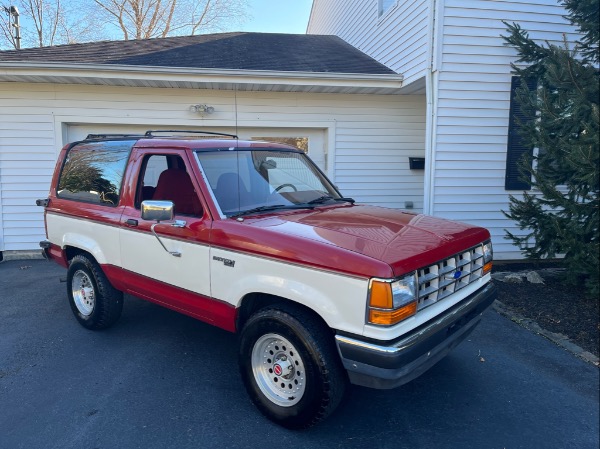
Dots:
(560, 216)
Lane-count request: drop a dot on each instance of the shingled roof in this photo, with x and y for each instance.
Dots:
(231, 51)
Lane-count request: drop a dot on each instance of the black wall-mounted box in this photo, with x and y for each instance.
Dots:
(416, 163)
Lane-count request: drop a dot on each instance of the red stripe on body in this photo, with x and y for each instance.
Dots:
(209, 310)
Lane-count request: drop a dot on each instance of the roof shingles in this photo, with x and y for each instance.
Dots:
(232, 51)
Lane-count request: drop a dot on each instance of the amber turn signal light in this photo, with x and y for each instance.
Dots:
(487, 268)
(389, 317)
(381, 295)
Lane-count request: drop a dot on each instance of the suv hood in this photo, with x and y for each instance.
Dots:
(404, 241)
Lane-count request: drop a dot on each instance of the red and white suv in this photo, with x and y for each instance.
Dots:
(253, 238)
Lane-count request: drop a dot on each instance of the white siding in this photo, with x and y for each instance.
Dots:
(27, 156)
(368, 137)
(473, 108)
(397, 39)
(1, 222)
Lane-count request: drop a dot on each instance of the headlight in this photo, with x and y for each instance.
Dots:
(403, 291)
(488, 255)
(391, 301)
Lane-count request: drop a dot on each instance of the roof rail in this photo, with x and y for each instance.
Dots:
(108, 136)
(150, 133)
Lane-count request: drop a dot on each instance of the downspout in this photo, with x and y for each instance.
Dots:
(431, 94)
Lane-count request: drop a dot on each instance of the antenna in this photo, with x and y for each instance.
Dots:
(237, 153)
(236, 109)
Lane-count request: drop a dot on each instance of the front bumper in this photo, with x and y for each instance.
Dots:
(400, 361)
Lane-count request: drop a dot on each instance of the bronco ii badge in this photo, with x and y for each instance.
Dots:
(226, 262)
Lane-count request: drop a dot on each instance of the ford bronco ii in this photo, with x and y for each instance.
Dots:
(252, 237)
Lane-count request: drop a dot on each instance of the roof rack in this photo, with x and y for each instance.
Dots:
(108, 136)
(150, 133)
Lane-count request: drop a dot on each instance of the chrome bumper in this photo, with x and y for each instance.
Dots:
(394, 363)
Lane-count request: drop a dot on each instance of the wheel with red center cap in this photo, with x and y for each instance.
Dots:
(278, 370)
(94, 301)
(290, 366)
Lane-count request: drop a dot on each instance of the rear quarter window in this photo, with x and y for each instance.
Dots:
(93, 172)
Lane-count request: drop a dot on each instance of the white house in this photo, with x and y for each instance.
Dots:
(451, 53)
(422, 79)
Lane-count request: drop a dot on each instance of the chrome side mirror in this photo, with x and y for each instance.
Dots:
(157, 210)
(161, 211)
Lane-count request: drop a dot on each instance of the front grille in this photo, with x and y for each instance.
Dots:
(439, 280)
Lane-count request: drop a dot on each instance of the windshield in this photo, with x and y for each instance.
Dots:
(254, 180)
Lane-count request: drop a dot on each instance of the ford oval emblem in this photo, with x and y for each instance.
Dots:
(457, 274)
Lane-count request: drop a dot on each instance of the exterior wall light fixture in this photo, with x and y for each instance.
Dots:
(202, 109)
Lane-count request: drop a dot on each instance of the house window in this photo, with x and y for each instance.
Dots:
(516, 148)
(385, 5)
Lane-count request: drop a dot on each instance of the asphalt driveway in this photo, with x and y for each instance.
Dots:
(162, 380)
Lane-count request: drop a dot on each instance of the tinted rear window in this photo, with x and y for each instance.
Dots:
(93, 172)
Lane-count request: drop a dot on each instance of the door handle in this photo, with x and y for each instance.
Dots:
(131, 222)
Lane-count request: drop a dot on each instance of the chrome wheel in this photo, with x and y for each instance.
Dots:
(84, 295)
(278, 370)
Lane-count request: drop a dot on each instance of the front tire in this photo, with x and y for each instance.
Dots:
(290, 366)
(95, 303)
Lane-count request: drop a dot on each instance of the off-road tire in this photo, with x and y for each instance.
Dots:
(314, 350)
(100, 304)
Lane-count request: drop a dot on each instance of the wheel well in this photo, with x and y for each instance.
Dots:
(254, 302)
(71, 251)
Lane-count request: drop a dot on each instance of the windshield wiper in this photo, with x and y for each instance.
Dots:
(270, 207)
(325, 198)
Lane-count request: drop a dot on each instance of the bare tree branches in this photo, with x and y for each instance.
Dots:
(46, 15)
(51, 22)
(143, 19)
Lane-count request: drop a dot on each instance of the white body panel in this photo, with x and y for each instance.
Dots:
(141, 253)
(340, 300)
(100, 240)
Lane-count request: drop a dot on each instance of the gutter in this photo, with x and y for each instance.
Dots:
(156, 73)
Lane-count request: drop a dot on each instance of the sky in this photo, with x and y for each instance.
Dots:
(267, 16)
(278, 16)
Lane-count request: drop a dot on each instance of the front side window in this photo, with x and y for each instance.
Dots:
(165, 178)
(93, 172)
(245, 180)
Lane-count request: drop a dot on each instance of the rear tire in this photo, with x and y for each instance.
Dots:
(95, 303)
(290, 366)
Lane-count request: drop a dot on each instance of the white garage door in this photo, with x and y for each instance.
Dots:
(311, 139)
